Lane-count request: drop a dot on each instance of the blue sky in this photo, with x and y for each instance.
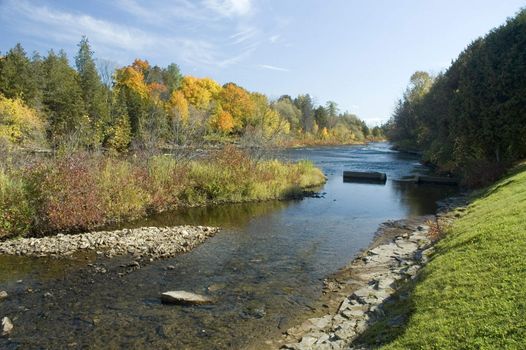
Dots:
(359, 54)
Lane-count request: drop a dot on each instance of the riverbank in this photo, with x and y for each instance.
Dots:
(354, 298)
(472, 294)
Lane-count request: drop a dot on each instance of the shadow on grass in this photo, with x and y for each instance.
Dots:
(391, 319)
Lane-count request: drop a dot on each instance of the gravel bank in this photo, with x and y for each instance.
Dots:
(144, 242)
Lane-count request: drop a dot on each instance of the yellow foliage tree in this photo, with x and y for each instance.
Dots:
(200, 92)
(261, 107)
(273, 124)
(120, 134)
(324, 133)
(178, 106)
(20, 125)
(132, 77)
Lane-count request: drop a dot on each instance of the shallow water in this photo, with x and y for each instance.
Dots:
(264, 268)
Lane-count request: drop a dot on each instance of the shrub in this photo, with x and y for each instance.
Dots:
(15, 210)
(66, 194)
(166, 182)
(121, 190)
(81, 192)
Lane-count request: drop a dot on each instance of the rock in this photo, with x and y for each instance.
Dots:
(3, 295)
(170, 267)
(183, 297)
(312, 324)
(412, 271)
(361, 295)
(134, 264)
(384, 283)
(7, 326)
(346, 330)
(257, 311)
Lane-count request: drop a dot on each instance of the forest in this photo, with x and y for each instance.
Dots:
(46, 103)
(471, 119)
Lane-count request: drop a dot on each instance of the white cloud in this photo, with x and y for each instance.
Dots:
(268, 66)
(62, 26)
(274, 38)
(121, 42)
(243, 36)
(230, 8)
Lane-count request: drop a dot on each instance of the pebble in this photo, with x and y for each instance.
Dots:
(144, 242)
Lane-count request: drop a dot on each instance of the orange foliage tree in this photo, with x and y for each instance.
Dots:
(237, 102)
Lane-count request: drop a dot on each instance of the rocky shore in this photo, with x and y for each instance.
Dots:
(140, 243)
(358, 292)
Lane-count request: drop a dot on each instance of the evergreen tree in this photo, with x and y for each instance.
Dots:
(305, 105)
(94, 92)
(16, 78)
(62, 98)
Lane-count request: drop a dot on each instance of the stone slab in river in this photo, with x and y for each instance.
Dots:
(183, 297)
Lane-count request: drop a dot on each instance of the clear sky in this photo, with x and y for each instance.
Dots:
(359, 54)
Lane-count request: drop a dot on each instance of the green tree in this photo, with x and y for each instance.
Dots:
(16, 78)
(322, 117)
(94, 93)
(62, 99)
(305, 105)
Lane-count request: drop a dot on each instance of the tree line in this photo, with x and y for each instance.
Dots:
(470, 119)
(45, 102)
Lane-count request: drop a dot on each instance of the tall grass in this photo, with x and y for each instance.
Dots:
(81, 192)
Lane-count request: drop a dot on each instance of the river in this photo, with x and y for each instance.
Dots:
(265, 268)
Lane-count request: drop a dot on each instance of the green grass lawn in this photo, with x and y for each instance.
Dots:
(472, 295)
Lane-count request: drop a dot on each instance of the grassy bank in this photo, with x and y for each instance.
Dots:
(472, 295)
(81, 192)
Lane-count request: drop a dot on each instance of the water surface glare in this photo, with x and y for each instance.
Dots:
(264, 268)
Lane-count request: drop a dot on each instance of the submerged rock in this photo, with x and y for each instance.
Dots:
(183, 297)
(3, 295)
(7, 326)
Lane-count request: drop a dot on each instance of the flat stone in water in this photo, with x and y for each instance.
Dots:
(183, 297)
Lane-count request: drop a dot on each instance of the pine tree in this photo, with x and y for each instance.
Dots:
(93, 91)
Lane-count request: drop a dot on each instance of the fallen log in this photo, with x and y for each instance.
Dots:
(367, 177)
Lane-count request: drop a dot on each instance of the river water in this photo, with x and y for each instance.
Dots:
(265, 268)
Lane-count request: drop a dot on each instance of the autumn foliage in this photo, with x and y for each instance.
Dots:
(81, 192)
